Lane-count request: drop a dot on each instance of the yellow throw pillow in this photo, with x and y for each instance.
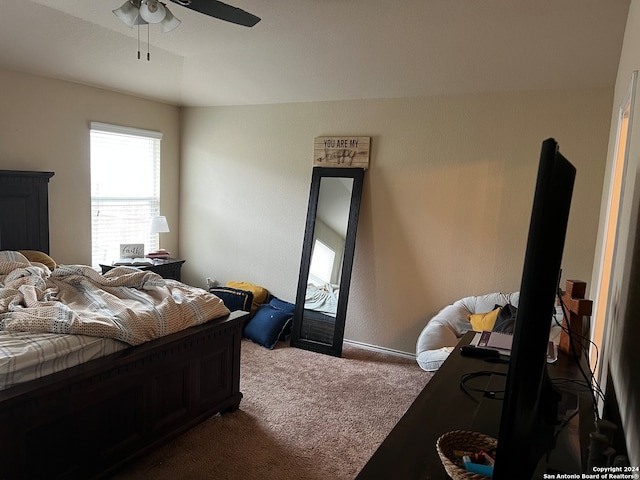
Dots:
(484, 321)
(40, 257)
(260, 294)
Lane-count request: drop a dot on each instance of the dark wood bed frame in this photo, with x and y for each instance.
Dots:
(89, 420)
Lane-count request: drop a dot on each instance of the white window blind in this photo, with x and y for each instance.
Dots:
(321, 266)
(125, 189)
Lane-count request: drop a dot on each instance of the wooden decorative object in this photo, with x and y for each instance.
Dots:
(341, 152)
(579, 307)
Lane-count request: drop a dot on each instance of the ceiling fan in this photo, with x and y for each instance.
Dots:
(140, 12)
(220, 10)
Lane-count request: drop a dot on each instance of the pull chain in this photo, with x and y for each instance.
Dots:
(148, 43)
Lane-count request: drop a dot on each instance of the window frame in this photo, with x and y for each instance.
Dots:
(143, 206)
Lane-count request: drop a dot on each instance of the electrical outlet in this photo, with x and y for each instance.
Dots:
(211, 283)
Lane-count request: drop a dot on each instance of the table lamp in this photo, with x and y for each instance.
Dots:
(159, 225)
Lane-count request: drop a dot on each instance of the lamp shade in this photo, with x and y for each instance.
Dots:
(128, 13)
(153, 11)
(140, 21)
(159, 224)
(170, 22)
(143, 12)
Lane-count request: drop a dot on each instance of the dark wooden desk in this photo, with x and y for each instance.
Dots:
(409, 451)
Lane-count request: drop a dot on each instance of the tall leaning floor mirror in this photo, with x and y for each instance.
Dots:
(327, 259)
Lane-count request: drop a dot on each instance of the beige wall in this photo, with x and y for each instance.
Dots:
(446, 201)
(445, 207)
(44, 125)
(622, 332)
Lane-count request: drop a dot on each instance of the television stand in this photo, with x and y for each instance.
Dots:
(409, 451)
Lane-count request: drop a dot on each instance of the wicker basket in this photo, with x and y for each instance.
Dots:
(462, 440)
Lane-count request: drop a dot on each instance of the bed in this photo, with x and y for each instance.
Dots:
(320, 305)
(89, 419)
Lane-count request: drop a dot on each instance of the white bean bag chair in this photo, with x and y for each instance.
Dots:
(441, 335)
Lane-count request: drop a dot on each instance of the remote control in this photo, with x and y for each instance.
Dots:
(471, 351)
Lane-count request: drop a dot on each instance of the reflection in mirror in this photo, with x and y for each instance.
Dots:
(327, 258)
(327, 253)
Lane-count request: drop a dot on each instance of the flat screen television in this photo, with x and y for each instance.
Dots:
(529, 411)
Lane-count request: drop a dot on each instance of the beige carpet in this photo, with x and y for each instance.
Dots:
(303, 416)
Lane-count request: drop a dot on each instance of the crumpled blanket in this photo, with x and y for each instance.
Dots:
(321, 299)
(127, 304)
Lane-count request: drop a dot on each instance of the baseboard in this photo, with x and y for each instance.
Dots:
(381, 349)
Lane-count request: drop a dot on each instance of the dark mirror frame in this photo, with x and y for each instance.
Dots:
(335, 349)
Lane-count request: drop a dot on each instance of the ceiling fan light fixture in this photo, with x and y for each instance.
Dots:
(140, 21)
(153, 11)
(128, 12)
(170, 22)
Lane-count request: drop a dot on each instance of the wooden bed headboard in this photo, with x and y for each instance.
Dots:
(24, 210)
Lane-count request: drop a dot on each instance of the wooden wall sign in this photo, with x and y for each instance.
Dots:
(131, 250)
(341, 152)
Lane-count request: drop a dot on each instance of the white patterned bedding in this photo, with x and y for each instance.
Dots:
(26, 356)
(75, 314)
(322, 299)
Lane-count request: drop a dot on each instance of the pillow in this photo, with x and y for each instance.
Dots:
(287, 307)
(233, 298)
(484, 321)
(12, 256)
(506, 320)
(259, 293)
(40, 257)
(267, 325)
(275, 302)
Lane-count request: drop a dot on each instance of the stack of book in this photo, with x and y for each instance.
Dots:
(161, 254)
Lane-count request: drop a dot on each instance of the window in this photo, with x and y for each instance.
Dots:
(321, 265)
(125, 189)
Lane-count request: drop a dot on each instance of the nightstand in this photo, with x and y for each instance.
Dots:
(168, 268)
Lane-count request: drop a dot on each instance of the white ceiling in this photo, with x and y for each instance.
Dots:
(315, 50)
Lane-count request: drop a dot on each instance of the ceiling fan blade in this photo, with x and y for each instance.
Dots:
(220, 10)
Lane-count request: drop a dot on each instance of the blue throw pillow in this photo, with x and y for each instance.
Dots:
(266, 325)
(287, 307)
(282, 305)
(233, 298)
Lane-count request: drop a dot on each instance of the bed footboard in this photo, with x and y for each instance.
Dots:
(89, 420)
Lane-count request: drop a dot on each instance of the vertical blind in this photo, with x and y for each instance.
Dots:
(125, 189)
